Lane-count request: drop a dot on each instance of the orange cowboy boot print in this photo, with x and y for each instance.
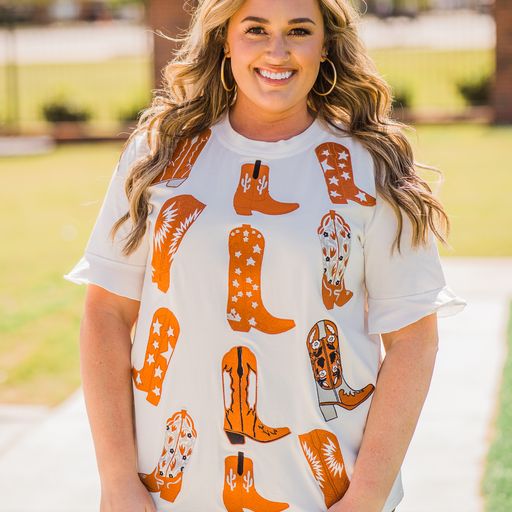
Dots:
(336, 164)
(323, 454)
(252, 193)
(240, 386)
(335, 238)
(183, 159)
(240, 492)
(163, 336)
(174, 219)
(167, 477)
(245, 307)
(331, 386)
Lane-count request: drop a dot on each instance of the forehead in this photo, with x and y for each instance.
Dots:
(279, 11)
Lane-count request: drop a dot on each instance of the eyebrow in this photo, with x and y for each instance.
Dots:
(294, 21)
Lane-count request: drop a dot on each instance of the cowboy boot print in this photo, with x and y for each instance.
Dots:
(252, 193)
(334, 234)
(163, 336)
(183, 159)
(332, 388)
(240, 384)
(323, 453)
(336, 165)
(245, 308)
(167, 477)
(239, 490)
(174, 219)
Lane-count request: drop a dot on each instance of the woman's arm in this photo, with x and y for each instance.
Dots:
(402, 385)
(105, 347)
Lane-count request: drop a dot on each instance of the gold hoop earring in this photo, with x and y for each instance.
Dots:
(222, 78)
(333, 82)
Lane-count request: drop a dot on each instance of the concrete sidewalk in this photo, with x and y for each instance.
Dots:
(47, 462)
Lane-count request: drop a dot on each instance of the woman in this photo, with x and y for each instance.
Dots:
(270, 231)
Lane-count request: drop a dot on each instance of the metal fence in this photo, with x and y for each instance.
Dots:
(424, 48)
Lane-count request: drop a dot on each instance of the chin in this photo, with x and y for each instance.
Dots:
(276, 104)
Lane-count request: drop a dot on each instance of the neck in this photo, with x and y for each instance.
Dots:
(269, 126)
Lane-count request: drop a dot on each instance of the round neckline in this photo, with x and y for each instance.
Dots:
(239, 143)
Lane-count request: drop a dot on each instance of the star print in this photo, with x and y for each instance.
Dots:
(334, 193)
(240, 294)
(254, 305)
(151, 359)
(333, 180)
(252, 321)
(245, 233)
(238, 271)
(170, 332)
(246, 239)
(250, 261)
(238, 254)
(138, 380)
(256, 248)
(254, 286)
(342, 156)
(158, 372)
(248, 280)
(156, 326)
(234, 298)
(361, 195)
(326, 166)
(345, 175)
(342, 166)
(156, 391)
(325, 152)
(235, 283)
(249, 294)
(167, 354)
(156, 344)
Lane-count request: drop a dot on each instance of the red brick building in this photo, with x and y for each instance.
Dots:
(170, 18)
(502, 96)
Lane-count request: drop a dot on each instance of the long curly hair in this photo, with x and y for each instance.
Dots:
(193, 98)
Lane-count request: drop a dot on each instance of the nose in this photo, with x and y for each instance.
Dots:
(277, 50)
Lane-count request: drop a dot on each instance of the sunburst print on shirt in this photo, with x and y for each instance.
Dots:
(174, 219)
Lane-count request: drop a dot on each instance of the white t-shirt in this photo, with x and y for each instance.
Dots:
(265, 278)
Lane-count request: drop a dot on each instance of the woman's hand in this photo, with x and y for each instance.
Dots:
(126, 495)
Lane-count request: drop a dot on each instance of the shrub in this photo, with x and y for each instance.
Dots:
(402, 97)
(476, 91)
(132, 112)
(60, 110)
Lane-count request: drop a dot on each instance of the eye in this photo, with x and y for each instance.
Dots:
(300, 32)
(255, 30)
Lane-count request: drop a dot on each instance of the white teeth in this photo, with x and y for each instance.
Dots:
(275, 76)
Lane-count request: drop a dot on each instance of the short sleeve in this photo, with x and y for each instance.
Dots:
(103, 262)
(402, 287)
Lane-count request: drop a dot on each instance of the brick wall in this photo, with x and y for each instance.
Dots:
(169, 17)
(502, 94)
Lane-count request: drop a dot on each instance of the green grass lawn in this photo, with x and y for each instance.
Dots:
(52, 202)
(497, 482)
(108, 87)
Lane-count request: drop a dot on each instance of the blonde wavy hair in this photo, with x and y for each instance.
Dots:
(193, 99)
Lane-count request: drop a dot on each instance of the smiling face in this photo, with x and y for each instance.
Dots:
(275, 50)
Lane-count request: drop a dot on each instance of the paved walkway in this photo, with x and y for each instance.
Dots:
(47, 457)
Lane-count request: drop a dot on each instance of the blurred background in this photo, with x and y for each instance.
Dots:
(74, 75)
